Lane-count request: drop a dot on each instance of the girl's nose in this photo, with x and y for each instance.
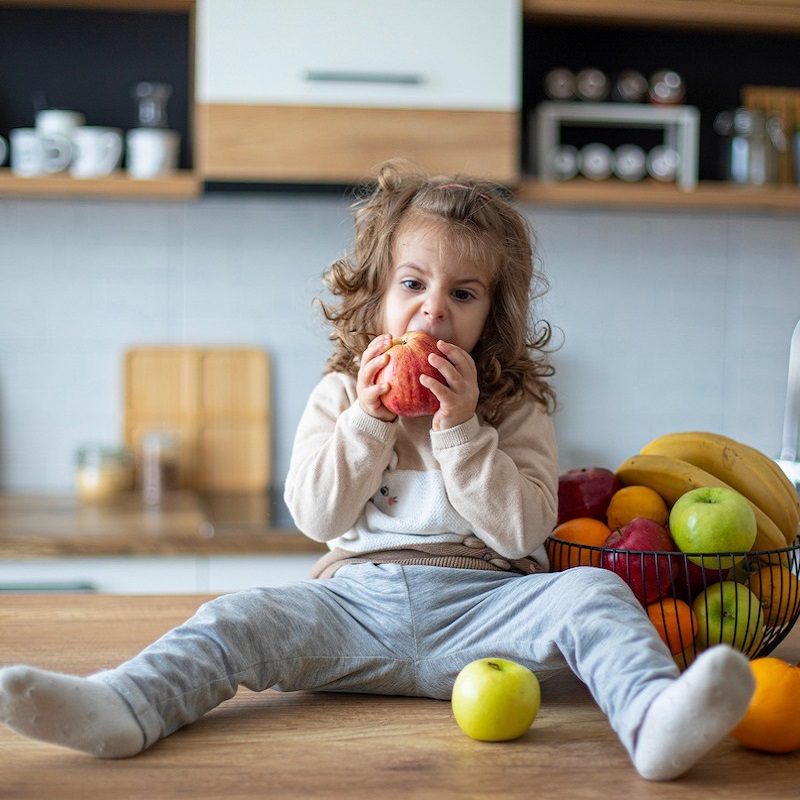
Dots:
(434, 307)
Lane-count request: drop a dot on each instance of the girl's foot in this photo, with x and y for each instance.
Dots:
(79, 713)
(693, 714)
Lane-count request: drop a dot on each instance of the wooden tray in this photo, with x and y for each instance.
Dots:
(217, 400)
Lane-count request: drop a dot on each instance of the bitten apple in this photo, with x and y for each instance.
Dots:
(408, 359)
(649, 576)
(495, 700)
(586, 492)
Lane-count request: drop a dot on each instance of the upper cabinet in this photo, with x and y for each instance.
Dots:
(730, 53)
(314, 91)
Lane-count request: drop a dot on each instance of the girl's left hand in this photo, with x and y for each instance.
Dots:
(459, 399)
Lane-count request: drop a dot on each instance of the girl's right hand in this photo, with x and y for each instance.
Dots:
(373, 359)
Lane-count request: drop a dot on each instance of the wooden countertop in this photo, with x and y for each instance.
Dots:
(51, 526)
(335, 746)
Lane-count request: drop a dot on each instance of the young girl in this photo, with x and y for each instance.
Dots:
(435, 525)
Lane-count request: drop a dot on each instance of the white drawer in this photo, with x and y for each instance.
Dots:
(448, 54)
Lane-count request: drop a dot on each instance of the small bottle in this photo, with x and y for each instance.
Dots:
(666, 88)
(630, 162)
(160, 465)
(597, 161)
(591, 85)
(565, 162)
(102, 473)
(663, 163)
(559, 84)
(630, 87)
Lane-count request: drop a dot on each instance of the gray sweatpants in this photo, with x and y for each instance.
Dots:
(388, 629)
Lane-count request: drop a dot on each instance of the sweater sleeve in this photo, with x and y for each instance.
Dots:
(503, 480)
(339, 455)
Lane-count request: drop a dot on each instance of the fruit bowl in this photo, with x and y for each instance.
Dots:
(695, 600)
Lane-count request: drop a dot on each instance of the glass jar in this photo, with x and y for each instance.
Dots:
(102, 472)
(161, 470)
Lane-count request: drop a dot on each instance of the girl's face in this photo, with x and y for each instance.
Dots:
(434, 289)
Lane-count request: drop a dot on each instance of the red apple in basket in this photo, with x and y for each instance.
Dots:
(586, 492)
(408, 359)
(689, 579)
(649, 576)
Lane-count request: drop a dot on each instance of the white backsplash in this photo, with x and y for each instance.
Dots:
(669, 321)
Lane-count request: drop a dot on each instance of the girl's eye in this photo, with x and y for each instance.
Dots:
(410, 283)
(463, 294)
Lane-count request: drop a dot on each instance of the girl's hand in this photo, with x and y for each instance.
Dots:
(459, 399)
(373, 359)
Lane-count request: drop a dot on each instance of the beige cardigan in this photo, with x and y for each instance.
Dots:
(470, 496)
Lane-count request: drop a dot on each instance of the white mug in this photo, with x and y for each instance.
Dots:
(98, 151)
(58, 120)
(152, 152)
(33, 153)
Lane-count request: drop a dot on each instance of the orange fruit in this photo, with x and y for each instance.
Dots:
(675, 622)
(771, 722)
(580, 532)
(779, 592)
(636, 501)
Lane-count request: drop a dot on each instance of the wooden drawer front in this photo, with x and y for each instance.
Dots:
(343, 145)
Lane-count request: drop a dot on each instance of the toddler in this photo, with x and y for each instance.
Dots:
(435, 525)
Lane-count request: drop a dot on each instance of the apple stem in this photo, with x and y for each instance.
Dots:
(493, 665)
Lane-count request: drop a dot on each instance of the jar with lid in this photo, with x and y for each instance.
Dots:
(752, 144)
(102, 472)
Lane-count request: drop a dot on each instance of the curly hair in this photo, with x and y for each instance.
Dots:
(478, 220)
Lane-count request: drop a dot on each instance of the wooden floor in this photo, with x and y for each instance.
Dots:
(307, 745)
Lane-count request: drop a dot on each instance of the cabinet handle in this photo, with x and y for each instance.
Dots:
(341, 76)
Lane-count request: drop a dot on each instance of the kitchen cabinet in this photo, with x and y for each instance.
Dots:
(319, 92)
(186, 574)
(86, 55)
(745, 42)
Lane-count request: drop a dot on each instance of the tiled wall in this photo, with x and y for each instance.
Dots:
(668, 320)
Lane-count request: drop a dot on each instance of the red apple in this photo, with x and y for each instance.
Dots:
(408, 359)
(649, 576)
(586, 492)
(691, 579)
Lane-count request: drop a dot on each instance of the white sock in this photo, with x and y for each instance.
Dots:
(74, 712)
(693, 714)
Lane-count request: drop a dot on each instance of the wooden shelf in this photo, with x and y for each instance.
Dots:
(714, 195)
(182, 185)
(750, 16)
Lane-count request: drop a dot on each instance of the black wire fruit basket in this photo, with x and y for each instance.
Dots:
(695, 600)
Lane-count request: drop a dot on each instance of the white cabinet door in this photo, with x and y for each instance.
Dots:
(445, 54)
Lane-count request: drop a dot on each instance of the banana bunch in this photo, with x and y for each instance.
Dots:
(678, 462)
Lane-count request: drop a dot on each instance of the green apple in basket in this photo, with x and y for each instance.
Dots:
(728, 612)
(715, 521)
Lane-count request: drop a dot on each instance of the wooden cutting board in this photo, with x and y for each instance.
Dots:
(216, 399)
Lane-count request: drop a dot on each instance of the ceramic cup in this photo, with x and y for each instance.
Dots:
(58, 121)
(152, 152)
(33, 153)
(98, 151)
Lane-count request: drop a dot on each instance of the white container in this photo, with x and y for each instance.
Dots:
(151, 152)
(97, 151)
(33, 153)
